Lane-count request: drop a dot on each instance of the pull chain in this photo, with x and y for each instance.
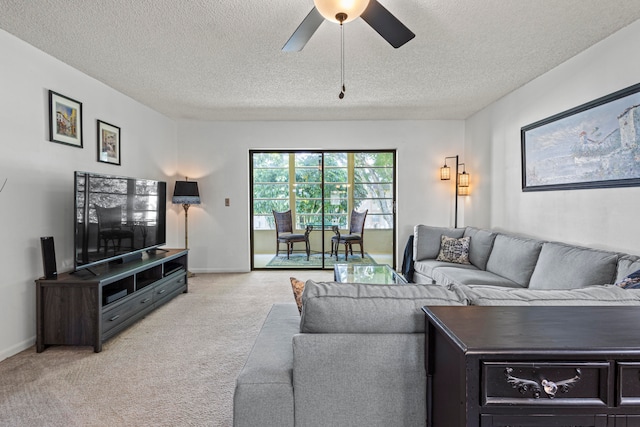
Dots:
(343, 16)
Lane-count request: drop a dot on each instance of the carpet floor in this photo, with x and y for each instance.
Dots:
(175, 367)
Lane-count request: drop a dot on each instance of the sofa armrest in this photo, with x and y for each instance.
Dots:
(264, 391)
(374, 380)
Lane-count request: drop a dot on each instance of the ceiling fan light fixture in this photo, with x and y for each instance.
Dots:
(329, 9)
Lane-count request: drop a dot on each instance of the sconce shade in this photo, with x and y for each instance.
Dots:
(463, 179)
(445, 173)
(330, 8)
(186, 192)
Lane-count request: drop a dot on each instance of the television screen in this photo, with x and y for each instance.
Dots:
(117, 216)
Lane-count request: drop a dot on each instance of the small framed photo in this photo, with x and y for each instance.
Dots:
(108, 143)
(65, 120)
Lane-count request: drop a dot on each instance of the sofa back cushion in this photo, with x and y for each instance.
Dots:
(627, 264)
(514, 257)
(562, 266)
(592, 295)
(426, 240)
(331, 307)
(480, 246)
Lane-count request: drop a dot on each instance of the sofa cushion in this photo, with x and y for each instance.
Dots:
(331, 307)
(514, 258)
(592, 295)
(454, 250)
(480, 248)
(427, 267)
(627, 264)
(426, 240)
(562, 266)
(446, 276)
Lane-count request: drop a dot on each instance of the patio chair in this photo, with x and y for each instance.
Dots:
(355, 236)
(284, 233)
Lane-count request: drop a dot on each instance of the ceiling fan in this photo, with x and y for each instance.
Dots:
(342, 11)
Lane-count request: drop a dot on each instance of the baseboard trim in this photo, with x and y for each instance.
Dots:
(21, 346)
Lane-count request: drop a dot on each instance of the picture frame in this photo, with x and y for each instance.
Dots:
(594, 145)
(65, 120)
(108, 143)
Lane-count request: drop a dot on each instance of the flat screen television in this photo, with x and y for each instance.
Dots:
(117, 217)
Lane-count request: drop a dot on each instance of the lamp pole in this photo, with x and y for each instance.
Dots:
(186, 224)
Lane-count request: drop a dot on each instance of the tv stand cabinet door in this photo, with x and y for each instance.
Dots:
(68, 314)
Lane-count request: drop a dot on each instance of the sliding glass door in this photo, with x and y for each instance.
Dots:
(318, 191)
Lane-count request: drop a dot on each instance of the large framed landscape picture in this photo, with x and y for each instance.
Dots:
(65, 120)
(594, 145)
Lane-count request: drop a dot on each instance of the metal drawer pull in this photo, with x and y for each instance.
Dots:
(161, 291)
(114, 317)
(145, 300)
(550, 388)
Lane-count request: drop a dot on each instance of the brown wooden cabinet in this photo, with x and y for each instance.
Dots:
(533, 366)
(89, 307)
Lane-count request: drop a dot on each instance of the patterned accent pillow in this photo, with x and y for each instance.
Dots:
(632, 281)
(454, 250)
(298, 288)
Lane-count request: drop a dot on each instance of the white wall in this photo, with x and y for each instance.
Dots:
(38, 197)
(605, 218)
(217, 155)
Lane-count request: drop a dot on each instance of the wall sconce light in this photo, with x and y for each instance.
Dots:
(462, 181)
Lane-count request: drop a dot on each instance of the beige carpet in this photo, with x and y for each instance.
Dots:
(176, 367)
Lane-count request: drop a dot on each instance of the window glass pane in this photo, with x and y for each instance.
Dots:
(379, 221)
(271, 160)
(373, 159)
(375, 206)
(271, 191)
(335, 159)
(308, 175)
(373, 190)
(334, 174)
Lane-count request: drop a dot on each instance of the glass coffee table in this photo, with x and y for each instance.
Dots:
(379, 274)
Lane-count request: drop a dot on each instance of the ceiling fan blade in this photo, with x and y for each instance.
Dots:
(387, 25)
(304, 32)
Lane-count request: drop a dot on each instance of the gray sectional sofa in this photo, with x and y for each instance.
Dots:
(355, 357)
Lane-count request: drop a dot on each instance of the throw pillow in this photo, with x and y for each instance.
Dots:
(298, 288)
(632, 281)
(454, 250)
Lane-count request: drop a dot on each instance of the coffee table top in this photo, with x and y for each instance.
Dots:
(379, 274)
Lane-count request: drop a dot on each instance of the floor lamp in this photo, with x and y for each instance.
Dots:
(186, 193)
(462, 182)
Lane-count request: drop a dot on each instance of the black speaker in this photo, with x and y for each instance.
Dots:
(49, 257)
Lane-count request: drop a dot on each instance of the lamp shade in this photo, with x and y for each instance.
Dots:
(330, 8)
(445, 173)
(463, 179)
(463, 191)
(186, 192)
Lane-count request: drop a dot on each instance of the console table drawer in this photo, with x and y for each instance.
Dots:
(169, 287)
(113, 317)
(629, 379)
(545, 383)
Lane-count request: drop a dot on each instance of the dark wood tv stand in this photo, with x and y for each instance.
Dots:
(87, 308)
(533, 366)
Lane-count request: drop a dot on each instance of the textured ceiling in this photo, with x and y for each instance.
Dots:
(221, 59)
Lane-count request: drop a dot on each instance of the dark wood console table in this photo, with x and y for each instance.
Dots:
(86, 308)
(533, 366)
